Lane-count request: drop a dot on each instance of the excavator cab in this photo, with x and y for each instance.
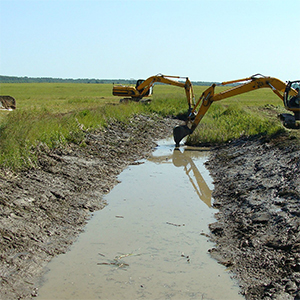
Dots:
(148, 93)
(291, 99)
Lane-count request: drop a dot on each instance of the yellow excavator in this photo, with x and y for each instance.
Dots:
(144, 88)
(288, 92)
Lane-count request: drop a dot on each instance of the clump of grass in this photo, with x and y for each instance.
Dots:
(122, 112)
(222, 124)
(168, 105)
(22, 130)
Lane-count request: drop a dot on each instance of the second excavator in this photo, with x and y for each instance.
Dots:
(144, 88)
(288, 92)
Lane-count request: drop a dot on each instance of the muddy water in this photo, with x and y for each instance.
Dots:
(149, 242)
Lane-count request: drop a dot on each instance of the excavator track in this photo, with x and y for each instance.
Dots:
(289, 121)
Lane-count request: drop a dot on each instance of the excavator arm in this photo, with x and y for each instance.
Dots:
(143, 88)
(246, 85)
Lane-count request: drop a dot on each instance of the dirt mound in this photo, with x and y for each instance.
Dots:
(7, 102)
(43, 210)
(257, 192)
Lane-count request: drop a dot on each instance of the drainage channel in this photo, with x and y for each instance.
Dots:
(149, 241)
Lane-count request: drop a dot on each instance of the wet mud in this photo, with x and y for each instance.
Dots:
(256, 191)
(147, 243)
(44, 209)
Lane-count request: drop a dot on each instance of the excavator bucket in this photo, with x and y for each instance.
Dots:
(179, 132)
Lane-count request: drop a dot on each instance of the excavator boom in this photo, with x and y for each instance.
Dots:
(246, 85)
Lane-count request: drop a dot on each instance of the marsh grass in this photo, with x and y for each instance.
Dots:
(168, 104)
(53, 114)
(23, 131)
(223, 124)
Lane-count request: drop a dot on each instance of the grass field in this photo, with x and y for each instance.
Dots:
(59, 97)
(55, 113)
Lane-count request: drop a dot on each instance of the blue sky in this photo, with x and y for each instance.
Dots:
(206, 40)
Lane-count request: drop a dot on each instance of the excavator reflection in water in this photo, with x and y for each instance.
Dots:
(184, 159)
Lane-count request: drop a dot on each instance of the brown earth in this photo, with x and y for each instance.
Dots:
(44, 209)
(256, 190)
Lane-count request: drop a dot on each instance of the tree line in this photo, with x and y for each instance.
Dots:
(15, 79)
(25, 79)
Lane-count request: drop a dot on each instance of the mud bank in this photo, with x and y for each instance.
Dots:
(257, 192)
(43, 210)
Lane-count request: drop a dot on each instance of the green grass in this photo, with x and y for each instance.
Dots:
(59, 97)
(53, 114)
(247, 114)
(223, 124)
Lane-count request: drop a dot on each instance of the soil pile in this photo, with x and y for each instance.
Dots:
(257, 192)
(44, 209)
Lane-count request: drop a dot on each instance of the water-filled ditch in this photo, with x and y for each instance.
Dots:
(149, 241)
